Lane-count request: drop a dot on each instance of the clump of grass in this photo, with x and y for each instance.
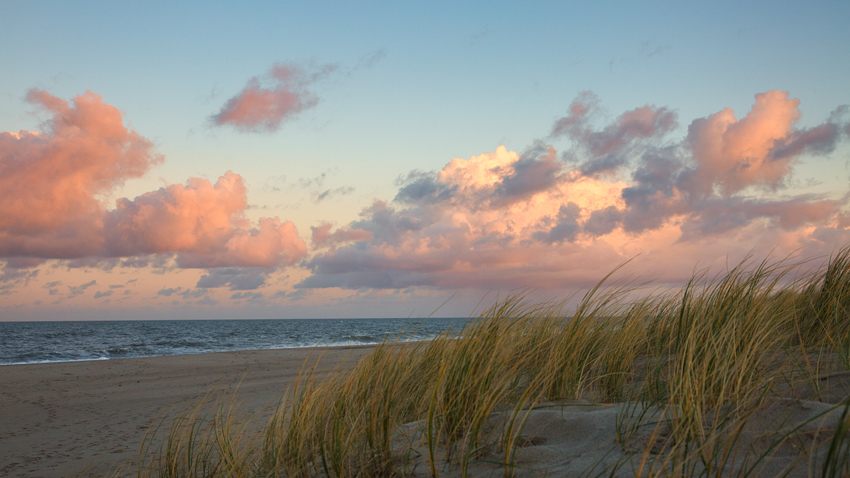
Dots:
(187, 448)
(693, 366)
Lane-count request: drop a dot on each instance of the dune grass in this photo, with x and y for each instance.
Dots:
(693, 367)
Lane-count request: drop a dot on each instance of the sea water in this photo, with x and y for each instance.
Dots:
(38, 342)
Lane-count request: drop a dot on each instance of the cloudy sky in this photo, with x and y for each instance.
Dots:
(355, 159)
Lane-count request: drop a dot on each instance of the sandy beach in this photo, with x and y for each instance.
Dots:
(87, 418)
(90, 418)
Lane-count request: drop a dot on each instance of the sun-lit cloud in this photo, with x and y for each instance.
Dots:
(759, 149)
(204, 224)
(548, 219)
(590, 195)
(53, 185)
(50, 180)
(273, 98)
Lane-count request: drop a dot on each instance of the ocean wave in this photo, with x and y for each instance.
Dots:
(45, 342)
(361, 338)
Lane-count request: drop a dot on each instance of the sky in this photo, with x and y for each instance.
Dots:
(202, 160)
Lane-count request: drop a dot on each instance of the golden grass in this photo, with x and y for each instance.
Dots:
(693, 366)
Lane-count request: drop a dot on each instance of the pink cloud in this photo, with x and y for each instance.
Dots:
(204, 224)
(323, 237)
(733, 154)
(51, 183)
(675, 204)
(261, 108)
(50, 180)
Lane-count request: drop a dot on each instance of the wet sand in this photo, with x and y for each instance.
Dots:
(87, 418)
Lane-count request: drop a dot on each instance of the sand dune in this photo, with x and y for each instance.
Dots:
(89, 418)
(581, 439)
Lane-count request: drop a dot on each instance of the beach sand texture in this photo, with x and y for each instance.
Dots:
(89, 418)
(62, 419)
(579, 439)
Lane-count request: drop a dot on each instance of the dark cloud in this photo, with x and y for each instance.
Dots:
(535, 171)
(325, 276)
(330, 193)
(423, 188)
(603, 221)
(77, 290)
(23, 262)
(236, 278)
(247, 295)
(654, 196)
(818, 140)
(322, 235)
(604, 164)
(12, 274)
(722, 215)
(92, 263)
(141, 262)
(610, 148)
(386, 224)
(193, 294)
(574, 125)
(566, 227)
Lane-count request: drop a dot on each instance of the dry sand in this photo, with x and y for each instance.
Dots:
(578, 439)
(88, 418)
(61, 419)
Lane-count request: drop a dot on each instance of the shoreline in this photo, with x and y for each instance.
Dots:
(90, 416)
(106, 359)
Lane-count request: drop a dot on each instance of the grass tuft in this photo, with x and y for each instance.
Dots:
(694, 372)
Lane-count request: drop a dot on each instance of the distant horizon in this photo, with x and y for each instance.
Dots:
(233, 318)
(285, 161)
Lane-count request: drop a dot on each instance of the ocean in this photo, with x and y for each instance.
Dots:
(41, 342)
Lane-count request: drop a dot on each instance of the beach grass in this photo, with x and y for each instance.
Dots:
(697, 376)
